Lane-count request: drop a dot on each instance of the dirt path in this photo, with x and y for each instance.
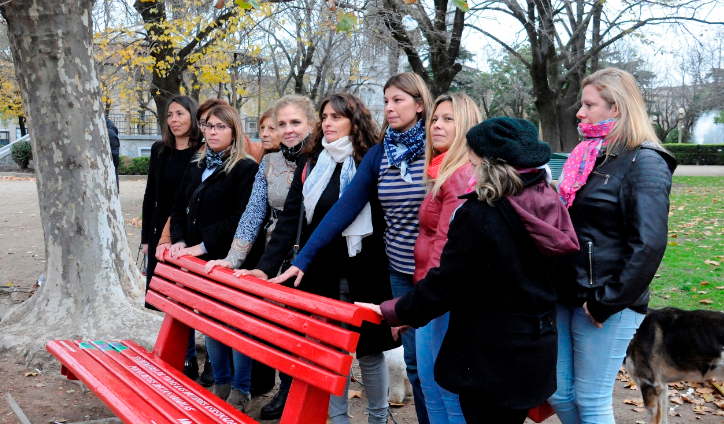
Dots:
(48, 397)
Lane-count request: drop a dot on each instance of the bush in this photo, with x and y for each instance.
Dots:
(22, 153)
(133, 166)
(697, 154)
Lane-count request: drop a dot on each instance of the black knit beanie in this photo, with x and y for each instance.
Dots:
(511, 139)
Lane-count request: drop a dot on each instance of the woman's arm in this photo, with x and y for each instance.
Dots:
(345, 211)
(149, 197)
(644, 199)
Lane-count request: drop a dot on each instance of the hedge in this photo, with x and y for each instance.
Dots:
(22, 153)
(133, 166)
(697, 154)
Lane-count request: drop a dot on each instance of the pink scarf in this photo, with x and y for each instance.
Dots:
(434, 166)
(579, 164)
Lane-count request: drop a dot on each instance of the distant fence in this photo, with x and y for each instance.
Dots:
(135, 123)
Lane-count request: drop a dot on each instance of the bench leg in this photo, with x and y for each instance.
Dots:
(172, 342)
(68, 373)
(306, 404)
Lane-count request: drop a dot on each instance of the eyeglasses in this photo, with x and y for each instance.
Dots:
(219, 127)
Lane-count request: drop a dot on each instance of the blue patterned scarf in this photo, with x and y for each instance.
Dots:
(404, 147)
(214, 159)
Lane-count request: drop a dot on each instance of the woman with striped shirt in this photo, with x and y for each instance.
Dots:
(392, 172)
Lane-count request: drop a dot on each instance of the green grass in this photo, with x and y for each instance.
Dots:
(692, 270)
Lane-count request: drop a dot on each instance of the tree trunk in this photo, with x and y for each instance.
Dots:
(92, 288)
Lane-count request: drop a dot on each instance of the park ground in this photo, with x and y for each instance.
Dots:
(691, 277)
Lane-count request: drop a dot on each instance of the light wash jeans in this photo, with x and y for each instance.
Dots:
(220, 357)
(443, 407)
(401, 284)
(588, 362)
(375, 379)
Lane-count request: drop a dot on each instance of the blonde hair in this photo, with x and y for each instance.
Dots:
(236, 152)
(302, 103)
(415, 86)
(632, 128)
(494, 179)
(466, 115)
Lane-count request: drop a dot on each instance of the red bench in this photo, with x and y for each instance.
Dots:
(149, 387)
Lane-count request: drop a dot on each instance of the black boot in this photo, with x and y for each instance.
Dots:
(274, 409)
(191, 368)
(207, 376)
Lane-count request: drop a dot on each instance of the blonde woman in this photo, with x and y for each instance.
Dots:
(211, 198)
(616, 186)
(447, 174)
(493, 279)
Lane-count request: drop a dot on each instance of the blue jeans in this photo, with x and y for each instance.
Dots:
(191, 348)
(443, 407)
(588, 362)
(401, 284)
(219, 355)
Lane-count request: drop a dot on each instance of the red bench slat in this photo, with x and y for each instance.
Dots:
(297, 368)
(320, 305)
(331, 334)
(146, 379)
(314, 352)
(126, 404)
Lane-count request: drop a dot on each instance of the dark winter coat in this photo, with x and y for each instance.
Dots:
(621, 219)
(367, 273)
(211, 214)
(165, 172)
(113, 137)
(495, 279)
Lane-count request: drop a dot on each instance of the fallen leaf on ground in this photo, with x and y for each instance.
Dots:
(354, 394)
(710, 262)
(706, 301)
(31, 374)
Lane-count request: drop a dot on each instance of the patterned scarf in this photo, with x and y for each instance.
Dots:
(403, 148)
(434, 167)
(579, 164)
(214, 159)
(292, 153)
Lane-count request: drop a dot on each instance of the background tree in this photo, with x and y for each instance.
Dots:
(92, 287)
(566, 38)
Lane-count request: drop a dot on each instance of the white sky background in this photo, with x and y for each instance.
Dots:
(659, 43)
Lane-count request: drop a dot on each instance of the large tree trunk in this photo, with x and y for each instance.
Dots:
(92, 288)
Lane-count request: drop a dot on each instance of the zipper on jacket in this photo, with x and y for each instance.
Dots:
(590, 262)
(606, 176)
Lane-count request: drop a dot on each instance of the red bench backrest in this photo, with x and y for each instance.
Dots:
(306, 342)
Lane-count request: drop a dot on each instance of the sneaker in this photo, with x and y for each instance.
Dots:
(207, 377)
(191, 368)
(275, 408)
(239, 399)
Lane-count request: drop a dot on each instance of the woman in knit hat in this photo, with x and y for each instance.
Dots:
(616, 186)
(499, 353)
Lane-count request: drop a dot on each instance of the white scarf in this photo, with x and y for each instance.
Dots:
(339, 151)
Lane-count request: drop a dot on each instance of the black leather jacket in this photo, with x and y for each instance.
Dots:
(621, 220)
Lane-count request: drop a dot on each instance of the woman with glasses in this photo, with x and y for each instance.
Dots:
(209, 202)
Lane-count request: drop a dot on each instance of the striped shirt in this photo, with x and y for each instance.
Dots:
(401, 203)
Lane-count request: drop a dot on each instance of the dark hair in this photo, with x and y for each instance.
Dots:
(363, 133)
(208, 104)
(195, 136)
(415, 86)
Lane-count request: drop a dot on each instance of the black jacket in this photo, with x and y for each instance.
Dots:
(621, 220)
(113, 137)
(501, 342)
(211, 214)
(367, 273)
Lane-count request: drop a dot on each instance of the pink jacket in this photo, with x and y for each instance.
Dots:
(434, 217)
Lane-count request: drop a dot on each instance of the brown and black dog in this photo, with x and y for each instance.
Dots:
(674, 345)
